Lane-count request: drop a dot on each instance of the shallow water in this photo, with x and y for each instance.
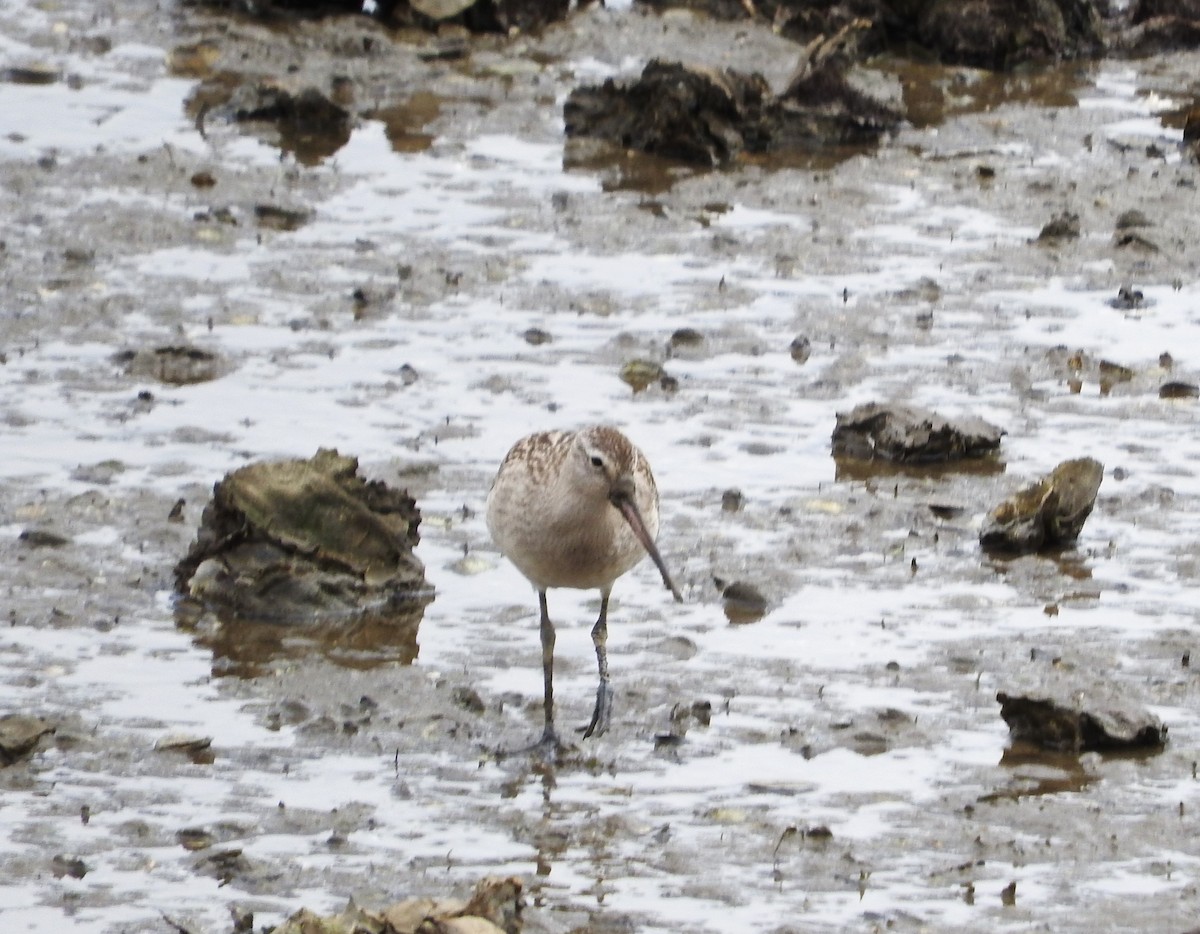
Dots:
(863, 702)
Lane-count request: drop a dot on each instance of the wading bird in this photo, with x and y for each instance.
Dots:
(576, 509)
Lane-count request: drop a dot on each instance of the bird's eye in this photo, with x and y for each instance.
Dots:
(597, 460)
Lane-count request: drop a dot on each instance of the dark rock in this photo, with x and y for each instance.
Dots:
(1128, 298)
(1049, 513)
(1132, 218)
(277, 218)
(1144, 10)
(907, 434)
(800, 349)
(1066, 726)
(707, 117)
(695, 115)
(1157, 26)
(42, 538)
(304, 539)
(72, 866)
(994, 34)
(999, 34)
(1062, 227)
(1178, 390)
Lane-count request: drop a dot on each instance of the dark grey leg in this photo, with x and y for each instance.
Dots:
(549, 737)
(604, 697)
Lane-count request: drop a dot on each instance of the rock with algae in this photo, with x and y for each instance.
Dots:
(1047, 514)
(305, 539)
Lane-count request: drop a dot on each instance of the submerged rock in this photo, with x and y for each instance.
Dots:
(907, 434)
(1049, 513)
(1067, 726)
(305, 540)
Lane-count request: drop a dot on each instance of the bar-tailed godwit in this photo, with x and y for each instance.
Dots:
(576, 509)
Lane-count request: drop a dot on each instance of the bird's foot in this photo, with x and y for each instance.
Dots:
(602, 714)
(549, 748)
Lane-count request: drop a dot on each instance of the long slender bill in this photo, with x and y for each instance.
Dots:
(630, 512)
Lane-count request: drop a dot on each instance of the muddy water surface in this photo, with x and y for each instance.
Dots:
(840, 764)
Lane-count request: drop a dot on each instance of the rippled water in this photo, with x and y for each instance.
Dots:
(863, 703)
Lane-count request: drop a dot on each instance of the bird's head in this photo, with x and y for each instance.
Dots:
(611, 465)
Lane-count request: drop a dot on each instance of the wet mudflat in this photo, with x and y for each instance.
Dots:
(450, 276)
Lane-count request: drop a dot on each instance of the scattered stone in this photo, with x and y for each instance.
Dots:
(187, 743)
(71, 866)
(1047, 514)
(276, 218)
(1178, 390)
(468, 699)
(640, 374)
(194, 839)
(685, 339)
(1061, 227)
(907, 434)
(194, 59)
(1053, 723)
(1111, 374)
(101, 473)
(1128, 298)
(32, 74)
(800, 349)
(1132, 218)
(495, 908)
(174, 364)
(42, 538)
(307, 541)
(224, 865)
(19, 735)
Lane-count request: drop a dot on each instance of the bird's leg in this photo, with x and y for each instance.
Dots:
(604, 697)
(549, 737)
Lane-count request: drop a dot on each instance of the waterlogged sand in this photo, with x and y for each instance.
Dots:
(854, 773)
